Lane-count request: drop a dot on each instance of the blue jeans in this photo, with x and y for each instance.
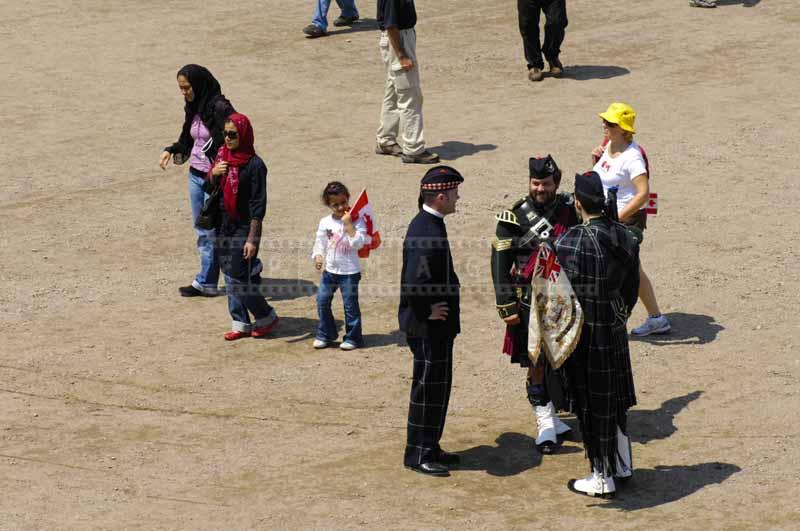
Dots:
(330, 282)
(320, 18)
(244, 296)
(206, 280)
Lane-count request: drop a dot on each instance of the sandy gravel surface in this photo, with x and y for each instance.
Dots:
(122, 407)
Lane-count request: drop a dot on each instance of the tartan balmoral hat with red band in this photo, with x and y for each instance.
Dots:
(440, 178)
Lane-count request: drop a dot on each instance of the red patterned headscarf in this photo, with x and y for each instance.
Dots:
(236, 159)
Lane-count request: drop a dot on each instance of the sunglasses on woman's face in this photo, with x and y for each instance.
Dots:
(233, 135)
(609, 124)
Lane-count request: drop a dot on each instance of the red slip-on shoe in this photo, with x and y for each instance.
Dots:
(264, 330)
(233, 335)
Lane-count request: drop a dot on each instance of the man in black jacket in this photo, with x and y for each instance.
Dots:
(429, 315)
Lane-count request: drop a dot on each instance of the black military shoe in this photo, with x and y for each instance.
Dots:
(431, 468)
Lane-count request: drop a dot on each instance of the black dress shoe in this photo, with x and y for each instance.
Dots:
(446, 458)
(431, 468)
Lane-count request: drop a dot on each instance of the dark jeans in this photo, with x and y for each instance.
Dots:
(555, 12)
(329, 283)
(243, 281)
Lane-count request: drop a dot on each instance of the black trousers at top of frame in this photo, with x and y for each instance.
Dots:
(555, 12)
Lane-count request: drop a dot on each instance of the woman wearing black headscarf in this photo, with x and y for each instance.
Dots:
(205, 111)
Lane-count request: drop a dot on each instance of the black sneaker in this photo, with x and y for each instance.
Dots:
(190, 291)
(314, 31)
(344, 21)
(426, 157)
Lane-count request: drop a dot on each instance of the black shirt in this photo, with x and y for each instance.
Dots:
(399, 14)
(251, 199)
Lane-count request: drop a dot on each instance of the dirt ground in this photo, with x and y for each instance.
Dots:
(122, 407)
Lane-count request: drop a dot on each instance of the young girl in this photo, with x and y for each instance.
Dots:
(336, 246)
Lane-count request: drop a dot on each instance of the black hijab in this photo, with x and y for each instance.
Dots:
(206, 89)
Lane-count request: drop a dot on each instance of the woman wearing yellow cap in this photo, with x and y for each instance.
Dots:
(621, 162)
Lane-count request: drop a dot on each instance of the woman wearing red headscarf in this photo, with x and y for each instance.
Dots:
(243, 178)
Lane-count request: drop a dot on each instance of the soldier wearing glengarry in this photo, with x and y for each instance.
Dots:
(542, 215)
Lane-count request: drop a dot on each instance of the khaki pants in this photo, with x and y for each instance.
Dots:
(401, 111)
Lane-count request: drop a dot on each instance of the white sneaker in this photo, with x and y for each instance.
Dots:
(319, 343)
(348, 346)
(652, 325)
(546, 440)
(595, 484)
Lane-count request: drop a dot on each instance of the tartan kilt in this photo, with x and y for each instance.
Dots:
(601, 388)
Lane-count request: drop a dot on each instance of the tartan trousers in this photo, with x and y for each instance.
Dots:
(430, 395)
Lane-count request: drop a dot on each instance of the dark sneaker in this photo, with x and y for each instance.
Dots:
(392, 149)
(556, 68)
(314, 31)
(344, 21)
(190, 291)
(535, 74)
(426, 157)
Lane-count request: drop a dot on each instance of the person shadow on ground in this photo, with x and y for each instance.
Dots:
(587, 72)
(362, 24)
(397, 338)
(453, 149)
(286, 289)
(687, 329)
(514, 454)
(646, 425)
(651, 487)
(295, 329)
(743, 3)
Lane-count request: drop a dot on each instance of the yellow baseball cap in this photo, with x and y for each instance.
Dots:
(620, 114)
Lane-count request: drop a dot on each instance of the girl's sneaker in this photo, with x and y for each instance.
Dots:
(348, 346)
(319, 343)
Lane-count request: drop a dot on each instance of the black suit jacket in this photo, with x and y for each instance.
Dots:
(428, 277)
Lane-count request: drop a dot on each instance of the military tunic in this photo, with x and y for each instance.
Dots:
(520, 230)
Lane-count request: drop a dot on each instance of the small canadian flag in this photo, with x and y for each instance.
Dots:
(362, 208)
(652, 204)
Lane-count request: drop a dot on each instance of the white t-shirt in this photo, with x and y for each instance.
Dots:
(620, 171)
(339, 250)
